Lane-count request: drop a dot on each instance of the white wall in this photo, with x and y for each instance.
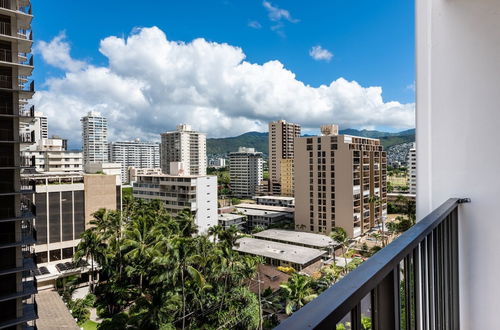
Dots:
(458, 138)
(206, 203)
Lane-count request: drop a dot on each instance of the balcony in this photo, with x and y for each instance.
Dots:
(21, 61)
(23, 12)
(29, 263)
(410, 284)
(30, 313)
(29, 288)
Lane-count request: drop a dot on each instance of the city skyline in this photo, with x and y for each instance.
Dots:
(218, 93)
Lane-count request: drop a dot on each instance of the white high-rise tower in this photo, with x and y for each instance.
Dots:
(94, 138)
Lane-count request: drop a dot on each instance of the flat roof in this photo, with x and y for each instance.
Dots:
(284, 198)
(297, 237)
(266, 207)
(257, 212)
(230, 216)
(280, 251)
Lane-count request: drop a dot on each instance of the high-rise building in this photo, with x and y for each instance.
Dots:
(196, 193)
(134, 153)
(342, 182)
(186, 146)
(281, 155)
(94, 138)
(17, 233)
(245, 172)
(412, 169)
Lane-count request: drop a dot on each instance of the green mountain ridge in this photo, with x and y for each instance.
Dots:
(258, 140)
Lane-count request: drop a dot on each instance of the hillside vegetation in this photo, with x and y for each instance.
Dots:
(258, 140)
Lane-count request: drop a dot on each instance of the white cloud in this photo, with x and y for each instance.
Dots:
(411, 86)
(56, 53)
(320, 54)
(151, 84)
(254, 24)
(277, 14)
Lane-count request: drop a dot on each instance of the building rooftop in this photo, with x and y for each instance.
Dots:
(296, 237)
(257, 212)
(283, 198)
(268, 208)
(280, 251)
(230, 216)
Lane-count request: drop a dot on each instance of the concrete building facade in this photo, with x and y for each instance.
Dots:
(17, 232)
(134, 153)
(134, 172)
(281, 149)
(186, 146)
(343, 182)
(197, 194)
(245, 172)
(94, 138)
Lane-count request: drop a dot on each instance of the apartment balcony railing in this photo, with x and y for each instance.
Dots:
(410, 284)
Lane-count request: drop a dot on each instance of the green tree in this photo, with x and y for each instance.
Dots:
(339, 235)
(298, 292)
(91, 247)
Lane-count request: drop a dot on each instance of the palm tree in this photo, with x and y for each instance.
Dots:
(91, 247)
(298, 292)
(137, 244)
(339, 235)
(215, 231)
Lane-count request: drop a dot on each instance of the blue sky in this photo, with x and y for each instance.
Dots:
(372, 42)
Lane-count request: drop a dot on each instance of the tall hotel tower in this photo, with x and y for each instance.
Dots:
(94, 138)
(281, 154)
(342, 182)
(184, 146)
(17, 234)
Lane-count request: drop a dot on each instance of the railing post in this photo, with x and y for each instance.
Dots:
(384, 305)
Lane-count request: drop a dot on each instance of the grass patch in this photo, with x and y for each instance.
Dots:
(89, 325)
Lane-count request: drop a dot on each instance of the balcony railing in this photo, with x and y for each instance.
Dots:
(410, 284)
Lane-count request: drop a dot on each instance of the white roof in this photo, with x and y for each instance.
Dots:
(249, 211)
(297, 237)
(230, 216)
(284, 198)
(266, 207)
(280, 251)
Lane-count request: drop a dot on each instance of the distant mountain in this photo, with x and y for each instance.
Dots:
(221, 146)
(258, 140)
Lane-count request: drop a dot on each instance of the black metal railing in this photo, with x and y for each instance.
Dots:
(410, 284)
(5, 4)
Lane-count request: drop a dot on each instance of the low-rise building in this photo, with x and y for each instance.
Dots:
(262, 218)
(134, 172)
(105, 168)
(276, 200)
(279, 254)
(65, 203)
(311, 240)
(227, 220)
(63, 161)
(196, 193)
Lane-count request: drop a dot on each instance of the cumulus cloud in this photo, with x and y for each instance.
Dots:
(320, 54)
(150, 84)
(254, 24)
(56, 53)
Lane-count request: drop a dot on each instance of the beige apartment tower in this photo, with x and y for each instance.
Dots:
(281, 149)
(186, 146)
(342, 182)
